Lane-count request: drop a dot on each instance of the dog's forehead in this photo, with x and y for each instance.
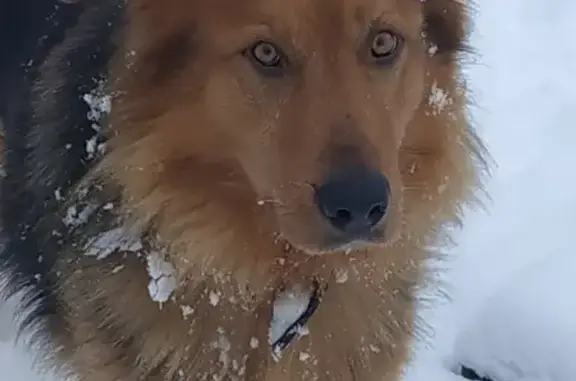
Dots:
(309, 18)
(344, 10)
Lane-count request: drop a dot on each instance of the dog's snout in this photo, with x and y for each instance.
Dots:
(354, 202)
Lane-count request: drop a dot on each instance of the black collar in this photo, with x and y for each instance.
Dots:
(296, 329)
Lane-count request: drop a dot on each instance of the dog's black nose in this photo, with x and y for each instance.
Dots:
(354, 202)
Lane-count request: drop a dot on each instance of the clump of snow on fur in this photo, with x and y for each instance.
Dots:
(75, 217)
(288, 307)
(130, 57)
(303, 356)
(58, 194)
(186, 311)
(438, 99)
(117, 239)
(214, 298)
(226, 364)
(341, 276)
(117, 269)
(100, 104)
(162, 277)
(254, 343)
(374, 348)
(94, 148)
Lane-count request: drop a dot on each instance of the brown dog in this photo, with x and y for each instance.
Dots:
(256, 152)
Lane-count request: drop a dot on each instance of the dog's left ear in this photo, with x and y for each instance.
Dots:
(445, 25)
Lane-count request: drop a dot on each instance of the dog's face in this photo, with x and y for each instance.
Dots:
(287, 117)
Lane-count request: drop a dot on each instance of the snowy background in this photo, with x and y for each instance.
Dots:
(512, 280)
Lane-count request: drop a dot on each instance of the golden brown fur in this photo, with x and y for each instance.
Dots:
(214, 163)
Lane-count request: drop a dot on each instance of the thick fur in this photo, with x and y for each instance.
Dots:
(39, 26)
(204, 163)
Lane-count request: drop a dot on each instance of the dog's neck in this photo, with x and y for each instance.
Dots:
(348, 316)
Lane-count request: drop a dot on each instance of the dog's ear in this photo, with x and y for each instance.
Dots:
(445, 25)
(166, 58)
(162, 38)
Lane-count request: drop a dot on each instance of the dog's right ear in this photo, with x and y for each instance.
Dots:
(160, 38)
(166, 58)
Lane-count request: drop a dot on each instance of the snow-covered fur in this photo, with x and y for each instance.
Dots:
(158, 204)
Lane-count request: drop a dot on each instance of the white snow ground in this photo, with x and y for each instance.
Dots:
(513, 313)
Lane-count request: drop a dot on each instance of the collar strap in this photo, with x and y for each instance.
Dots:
(297, 329)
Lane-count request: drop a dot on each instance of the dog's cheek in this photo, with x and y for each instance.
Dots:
(228, 105)
(236, 118)
(411, 86)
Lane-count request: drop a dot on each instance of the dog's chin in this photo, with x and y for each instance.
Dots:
(335, 246)
(317, 240)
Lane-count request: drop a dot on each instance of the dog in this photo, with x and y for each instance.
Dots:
(224, 190)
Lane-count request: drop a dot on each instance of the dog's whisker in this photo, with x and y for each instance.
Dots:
(303, 184)
(263, 202)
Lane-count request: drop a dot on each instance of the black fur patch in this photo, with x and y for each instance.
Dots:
(46, 155)
(28, 30)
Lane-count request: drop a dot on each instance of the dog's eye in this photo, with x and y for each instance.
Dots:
(266, 54)
(385, 46)
(267, 57)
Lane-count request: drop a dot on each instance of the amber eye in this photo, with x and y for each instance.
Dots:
(267, 58)
(266, 54)
(385, 46)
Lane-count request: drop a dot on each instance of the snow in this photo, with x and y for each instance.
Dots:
(74, 217)
(117, 239)
(512, 314)
(288, 307)
(214, 298)
(551, 324)
(16, 363)
(162, 278)
(100, 105)
(439, 99)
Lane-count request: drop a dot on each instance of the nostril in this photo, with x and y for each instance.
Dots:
(341, 219)
(376, 213)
